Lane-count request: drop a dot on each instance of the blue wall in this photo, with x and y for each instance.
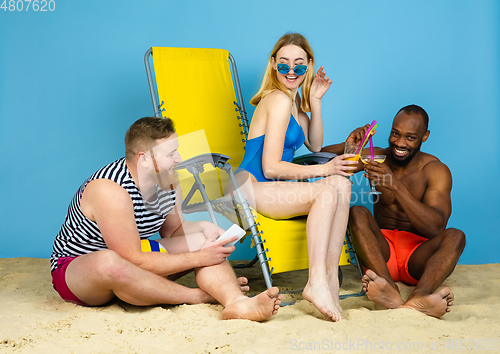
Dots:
(72, 81)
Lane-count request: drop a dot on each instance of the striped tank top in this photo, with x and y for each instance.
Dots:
(79, 235)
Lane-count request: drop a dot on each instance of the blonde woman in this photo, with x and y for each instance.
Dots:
(280, 126)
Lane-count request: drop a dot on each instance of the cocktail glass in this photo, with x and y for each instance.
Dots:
(350, 148)
(376, 158)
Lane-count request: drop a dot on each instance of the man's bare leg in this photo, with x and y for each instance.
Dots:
(219, 281)
(374, 251)
(242, 281)
(96, 278)
(431, 263)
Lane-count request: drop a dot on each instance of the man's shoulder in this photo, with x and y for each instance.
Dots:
(103, 188)
(101, 196)
(431, 162)
(435, 170)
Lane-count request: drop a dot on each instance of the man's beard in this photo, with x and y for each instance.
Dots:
(168, 181)
(399, 161)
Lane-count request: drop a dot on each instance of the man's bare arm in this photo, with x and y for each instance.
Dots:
(356, 136)
(111, 207)
(335, 148)
(430, 214)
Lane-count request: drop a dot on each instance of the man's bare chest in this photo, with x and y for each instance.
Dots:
(414, 182)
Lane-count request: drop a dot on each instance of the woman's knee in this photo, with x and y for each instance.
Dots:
(341, 183)
(326, 194)
(342, 187)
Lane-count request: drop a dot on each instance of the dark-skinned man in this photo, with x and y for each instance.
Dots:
(407, 239)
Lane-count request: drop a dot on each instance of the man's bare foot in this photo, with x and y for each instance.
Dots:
(242, 281)
(258, 308)
(201, 297)
(380, 291)
(321, 297)
(435, 305)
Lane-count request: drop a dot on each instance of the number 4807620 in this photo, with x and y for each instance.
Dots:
(27, 5)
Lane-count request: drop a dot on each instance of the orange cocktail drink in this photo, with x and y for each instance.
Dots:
(355, 158)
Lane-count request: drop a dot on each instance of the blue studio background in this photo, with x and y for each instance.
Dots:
(72, 81)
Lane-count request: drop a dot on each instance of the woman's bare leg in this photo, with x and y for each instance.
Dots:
(343, 189)
(319, 201)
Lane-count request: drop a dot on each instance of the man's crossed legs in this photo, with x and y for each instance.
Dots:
(96, 278)
(429, 263)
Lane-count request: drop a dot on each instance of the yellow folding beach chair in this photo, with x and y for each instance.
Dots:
(195, 88)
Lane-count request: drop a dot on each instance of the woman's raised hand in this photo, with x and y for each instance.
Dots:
(320, 85)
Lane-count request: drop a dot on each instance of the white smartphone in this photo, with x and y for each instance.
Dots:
(234, 230)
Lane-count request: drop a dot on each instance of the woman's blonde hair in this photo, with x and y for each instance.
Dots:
(270, 81)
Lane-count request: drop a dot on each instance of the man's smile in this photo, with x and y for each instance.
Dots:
(400, 152)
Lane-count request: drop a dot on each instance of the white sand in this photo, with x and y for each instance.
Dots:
(33, 319)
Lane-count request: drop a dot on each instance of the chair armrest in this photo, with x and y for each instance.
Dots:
(315, 158)
(195, 164)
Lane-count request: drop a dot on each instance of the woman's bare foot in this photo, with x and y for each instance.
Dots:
(380, 291)
(333, 280)
(321, 297)
(242, 281)
(435, 305)
(258, 308)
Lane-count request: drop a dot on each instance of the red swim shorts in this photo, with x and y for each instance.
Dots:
(402, 245)
(59, 281)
